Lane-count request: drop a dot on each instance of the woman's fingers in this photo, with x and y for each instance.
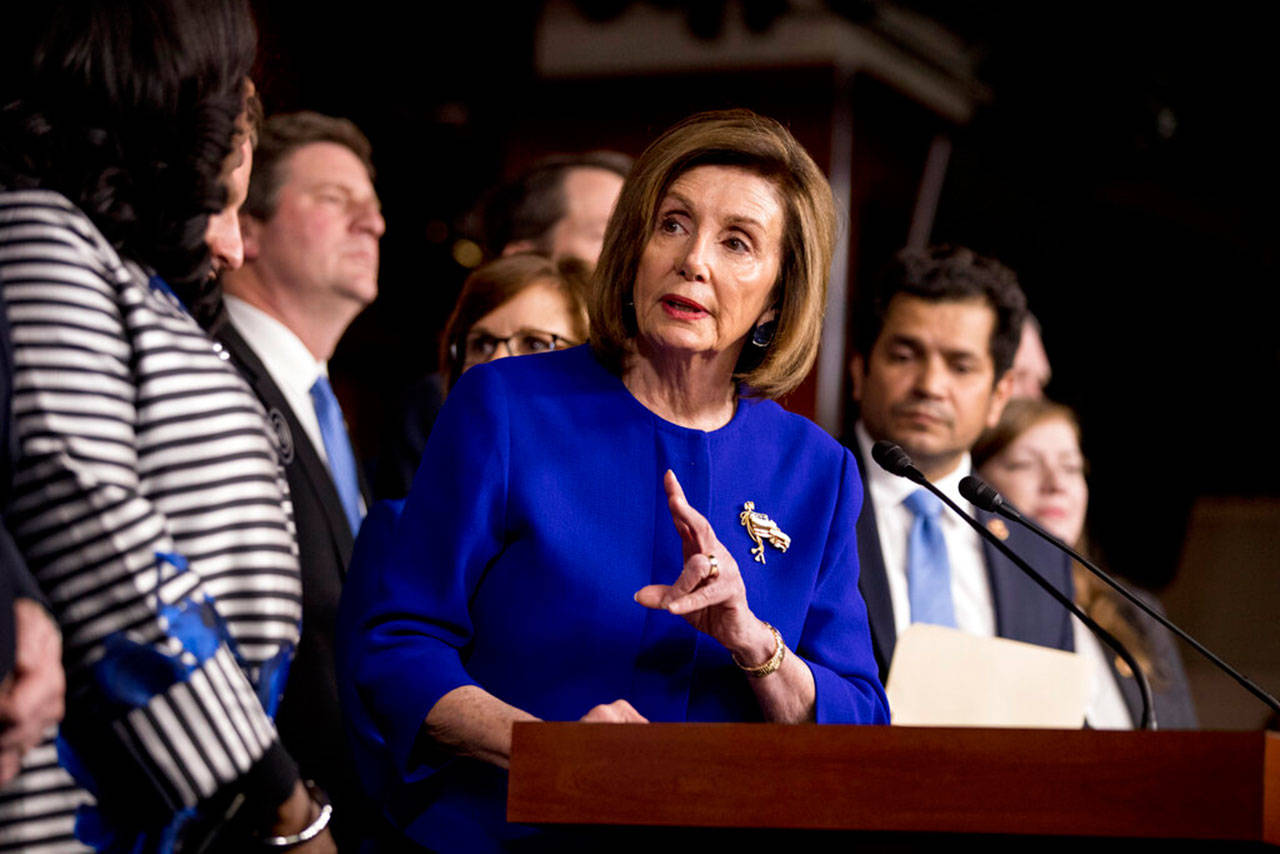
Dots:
(710, 576)
(714, 593)
(32, 700)
(694, 529)
(653, 595)
(617, 712)
(699, 571)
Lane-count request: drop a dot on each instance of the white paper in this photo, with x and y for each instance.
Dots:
(944, 677)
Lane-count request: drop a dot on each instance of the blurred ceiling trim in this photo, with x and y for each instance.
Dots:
(912, 54)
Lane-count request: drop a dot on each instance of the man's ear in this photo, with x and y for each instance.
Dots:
(1000, 395)
(857, 372)
(250, 235)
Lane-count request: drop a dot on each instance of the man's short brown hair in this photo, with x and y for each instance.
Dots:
(280, 137)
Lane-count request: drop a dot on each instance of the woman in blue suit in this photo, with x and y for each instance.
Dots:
(631, 530)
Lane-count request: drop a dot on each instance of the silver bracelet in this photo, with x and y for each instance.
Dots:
(311, 831)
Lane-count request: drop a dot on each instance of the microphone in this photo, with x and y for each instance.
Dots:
(985, 496)
(978, 492)
(894, 460)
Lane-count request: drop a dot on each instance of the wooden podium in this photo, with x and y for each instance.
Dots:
(1057, 783)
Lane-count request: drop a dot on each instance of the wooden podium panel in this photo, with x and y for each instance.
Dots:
(1170, 785)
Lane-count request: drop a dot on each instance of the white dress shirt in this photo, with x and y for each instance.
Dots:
(970, 585)
(286, 358)
(1106, 708)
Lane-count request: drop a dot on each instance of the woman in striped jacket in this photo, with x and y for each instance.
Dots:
(148, 499)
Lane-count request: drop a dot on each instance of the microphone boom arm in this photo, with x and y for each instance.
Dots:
(994, 501)
(1144, 687)
(894, 460)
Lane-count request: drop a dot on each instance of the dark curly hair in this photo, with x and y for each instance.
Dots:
(128, 108)
(944, 274)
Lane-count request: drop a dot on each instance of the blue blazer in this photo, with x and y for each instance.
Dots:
(537, 513)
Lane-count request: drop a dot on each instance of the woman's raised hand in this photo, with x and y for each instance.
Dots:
(709, 592)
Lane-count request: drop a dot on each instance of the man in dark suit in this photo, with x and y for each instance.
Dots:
(935, 338)
(311, 224)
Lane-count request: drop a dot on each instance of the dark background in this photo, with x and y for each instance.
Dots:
(1123, 165)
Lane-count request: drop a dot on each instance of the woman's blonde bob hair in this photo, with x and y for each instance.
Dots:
(761, 145)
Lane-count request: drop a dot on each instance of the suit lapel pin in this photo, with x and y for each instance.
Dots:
(281, 434)
(999, 528)
(760, 528)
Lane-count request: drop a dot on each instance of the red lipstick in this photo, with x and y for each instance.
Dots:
(682, 307)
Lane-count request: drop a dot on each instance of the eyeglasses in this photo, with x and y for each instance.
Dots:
(481, 346)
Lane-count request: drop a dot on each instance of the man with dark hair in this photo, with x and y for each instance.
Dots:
(934, 340)
(558, 207)
(311, 224)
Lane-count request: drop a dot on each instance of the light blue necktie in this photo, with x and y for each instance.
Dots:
(337, 447)
(928, 569)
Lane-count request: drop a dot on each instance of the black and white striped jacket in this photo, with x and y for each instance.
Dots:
(150, 506)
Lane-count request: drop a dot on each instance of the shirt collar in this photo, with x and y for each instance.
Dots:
(287, 359)
(889, 490)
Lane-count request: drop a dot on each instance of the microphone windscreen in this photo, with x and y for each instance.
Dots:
(980, 493)
(892, 459)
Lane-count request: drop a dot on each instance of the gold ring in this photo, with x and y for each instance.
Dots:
(715, 566)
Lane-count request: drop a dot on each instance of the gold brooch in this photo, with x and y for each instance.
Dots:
(999, 528)
(760, 528)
